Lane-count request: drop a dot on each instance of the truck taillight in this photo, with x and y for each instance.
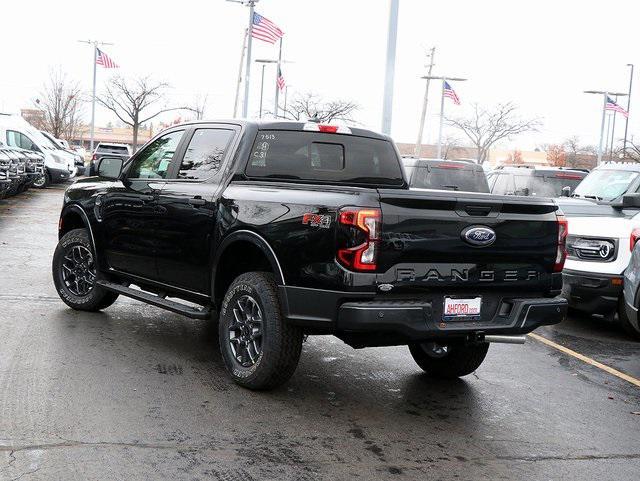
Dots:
(635, 236)
(366, 223)
(561, 253)
(94, 157)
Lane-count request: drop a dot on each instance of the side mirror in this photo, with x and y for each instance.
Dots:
(566, 191)
(110, 168)
(631, 201)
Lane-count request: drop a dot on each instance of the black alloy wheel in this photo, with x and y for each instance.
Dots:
(79, 270)
(245, 334)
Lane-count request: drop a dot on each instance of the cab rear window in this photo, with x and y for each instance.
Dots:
(314, 156)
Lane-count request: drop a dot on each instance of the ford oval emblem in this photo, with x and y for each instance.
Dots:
(479, 236)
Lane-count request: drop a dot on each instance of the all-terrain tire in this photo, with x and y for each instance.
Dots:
(631, 328)
(96, 298)
(460, 360)
(281, 343)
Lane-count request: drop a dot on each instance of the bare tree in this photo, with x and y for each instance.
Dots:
(485, 127)
(578, 155)
(131, 101)
(449, 144)
(198, 106)
(632, 152)
(312, 106)
(60, 103)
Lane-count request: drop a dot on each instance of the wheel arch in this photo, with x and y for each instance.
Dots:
(74, 217)
(254, 248)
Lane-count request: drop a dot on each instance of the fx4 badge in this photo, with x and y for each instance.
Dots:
(316, 220)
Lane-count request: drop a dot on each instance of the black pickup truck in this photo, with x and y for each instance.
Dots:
(279, 230)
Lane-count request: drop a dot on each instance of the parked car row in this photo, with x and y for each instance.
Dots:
(59, 165)
(19, 170)
(601, 277)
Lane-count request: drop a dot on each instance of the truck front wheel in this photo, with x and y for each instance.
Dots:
(259, 349)
(75, 272)
(448, 361)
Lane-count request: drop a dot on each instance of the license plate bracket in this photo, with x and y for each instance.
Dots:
(457, 308)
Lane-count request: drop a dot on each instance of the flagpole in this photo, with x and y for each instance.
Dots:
(245, 105)
(93, 98)
(276, 107)
(626, 123)
(613, 133)
(604, 112)
(441, 120)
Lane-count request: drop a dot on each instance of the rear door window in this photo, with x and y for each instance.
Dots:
(205, 153)
(315, 156)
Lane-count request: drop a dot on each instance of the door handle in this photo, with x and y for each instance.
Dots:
(146, 198)
(197, 201)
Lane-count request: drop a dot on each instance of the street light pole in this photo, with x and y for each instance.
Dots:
(626, 123)
(387, 99)
(277, 95)
(262, 89)
(424, 104)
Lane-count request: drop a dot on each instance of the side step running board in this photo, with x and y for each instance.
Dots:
(177, 307)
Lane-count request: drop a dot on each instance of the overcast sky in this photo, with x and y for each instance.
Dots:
(538, 54)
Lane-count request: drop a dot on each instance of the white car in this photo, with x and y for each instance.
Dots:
(604, 225)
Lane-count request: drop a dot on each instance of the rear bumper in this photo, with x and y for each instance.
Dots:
(592, 293)
(380, 321)
(58, 175)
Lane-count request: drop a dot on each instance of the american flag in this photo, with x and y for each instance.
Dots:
(611, 105)
(104, 60)
(264, 29)
(449, 92)
(280, 81)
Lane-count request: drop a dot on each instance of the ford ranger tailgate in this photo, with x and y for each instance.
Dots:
(434, 239)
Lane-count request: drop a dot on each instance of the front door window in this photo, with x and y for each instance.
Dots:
(154, 161)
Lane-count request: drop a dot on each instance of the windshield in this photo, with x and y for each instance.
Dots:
(605, 184)
(445, 176)
(521, 183)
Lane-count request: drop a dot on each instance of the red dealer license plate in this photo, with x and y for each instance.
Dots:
(456, 309)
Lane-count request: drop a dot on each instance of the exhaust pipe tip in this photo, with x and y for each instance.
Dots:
(505, 339)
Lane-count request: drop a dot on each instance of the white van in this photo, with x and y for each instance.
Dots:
(17, 132)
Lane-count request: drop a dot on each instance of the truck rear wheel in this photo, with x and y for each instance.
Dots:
(259, 349)
(75, 272)
(448, 361)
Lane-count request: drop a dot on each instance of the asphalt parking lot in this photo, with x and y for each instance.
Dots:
(137, 393)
